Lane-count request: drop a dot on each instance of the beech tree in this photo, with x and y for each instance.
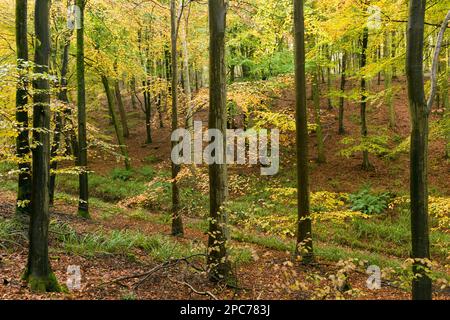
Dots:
(22, 140)
(218, 262)
(420, 109)
(365, 40)
(38, 273)
(304, 247)
(177, 223)
(82, 161)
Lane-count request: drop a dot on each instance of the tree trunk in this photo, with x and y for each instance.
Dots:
(22, 141)
(421, 286)
(122, 112)
(365, 41)
(379, 58)
(83, 205)
(62, 96)
(119, 134)
(177, 222)
(70, 135)
(187, 78)
(444, 83)
(133, 93)
(342, 98)
(148, 97)
(53, 153)
(218, 263)
(316, 101)
(329, 80)
(304, 246)
(161, 95)
(388, 84)
(38, 273)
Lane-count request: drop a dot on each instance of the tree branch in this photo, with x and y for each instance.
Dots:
(434, 72)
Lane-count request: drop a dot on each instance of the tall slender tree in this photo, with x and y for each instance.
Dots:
(316, 106)
(218, 263)
(365, 42)
(388, 81)
(22, 141)
(64, 98)
(420, 109)
(121, 108)
(38, 273)
(177, 222)
(419, 148)
(117, 128)
(186, 74)
(304, 247)
(342, 97)
(82, 159)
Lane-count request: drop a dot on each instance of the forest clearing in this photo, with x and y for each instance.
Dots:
(119, 179)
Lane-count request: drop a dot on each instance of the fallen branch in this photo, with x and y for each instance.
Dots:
(147, 274)
(202, 293)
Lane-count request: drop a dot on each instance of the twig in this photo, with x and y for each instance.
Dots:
(202, 293)
(146, 275)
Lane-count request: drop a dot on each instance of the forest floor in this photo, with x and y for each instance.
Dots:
(125, 251)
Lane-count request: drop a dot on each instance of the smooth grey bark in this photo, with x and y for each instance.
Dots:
(342, 97)
(365, 41)
(63, 97)
(219, 265)
(121, 108)
(388, 82)
(177, 222)
(22, 140)
(38, 273)
(421, 286)
(316, 102)
(186, 74)
(132, 91)
(82, 159)
(117, 129)
(304, 246)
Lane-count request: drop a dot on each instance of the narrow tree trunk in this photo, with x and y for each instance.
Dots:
(38, 273)
(177, 222)
(70, 134)
(447, 101)
(394, 53)
(342, 98)
(379, 58)
(22, 141)
(421, 286)
(117, 129)
(329, 80)
(122, 112)
(133, 93)
(53, 153)
(83, 205)
(187, 78)
(365, 41)
(218, 263)
(148, 104)
(388, 84)
(316, 101)
(444, 83)
(304, 247)
(161, 95)
(63, 97)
